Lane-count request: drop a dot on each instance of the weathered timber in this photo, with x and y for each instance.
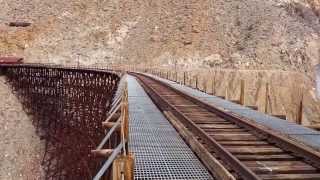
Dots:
(213, 165)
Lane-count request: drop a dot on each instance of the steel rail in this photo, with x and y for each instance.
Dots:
(302, 151)
(232, 161)
(309, 154)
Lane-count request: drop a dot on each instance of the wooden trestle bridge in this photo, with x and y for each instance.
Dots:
(109, 124)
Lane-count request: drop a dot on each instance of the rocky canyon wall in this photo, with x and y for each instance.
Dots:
(244, 34)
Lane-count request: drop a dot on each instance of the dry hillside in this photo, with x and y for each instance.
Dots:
(247, 34)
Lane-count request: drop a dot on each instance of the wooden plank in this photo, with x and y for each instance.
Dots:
(231, 133)
(206, 121)
(168, 95)
(233, 137)
(284, 169)
(242, 88)
(300, 111)
(226, 130)
(276, 157)
(274, 163)
(213, 165)
(186, 106)
(291, 176)
(205, 118)
(206, 115)
(123, 168)
(193, 110)
(266, 103)
(250, 146)
(242, 142)
(256, 150)
(197, 113)
(213, 123)
(218, 126)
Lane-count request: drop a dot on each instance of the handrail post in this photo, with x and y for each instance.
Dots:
(242, 87)
(267, 98)
(121, 160)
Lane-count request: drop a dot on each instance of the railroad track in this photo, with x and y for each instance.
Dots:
(230, 146)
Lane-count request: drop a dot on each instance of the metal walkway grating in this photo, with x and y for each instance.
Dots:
(160, 153)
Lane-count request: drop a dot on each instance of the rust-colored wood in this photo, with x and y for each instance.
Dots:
(109, 125)
(115, 117)
(214, 84)
(284, 169)
(242, 88)
(254, 150)
(125, 112)
(123, 168)
(302, 176)
(272, 157)
(266, 99)
(102, 152)
(197, 82)
(300, 111)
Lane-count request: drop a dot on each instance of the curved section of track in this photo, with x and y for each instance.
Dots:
(247, 150)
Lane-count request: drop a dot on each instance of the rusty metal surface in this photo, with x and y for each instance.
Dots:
(10, 60)
(67, 107)
(235, 141)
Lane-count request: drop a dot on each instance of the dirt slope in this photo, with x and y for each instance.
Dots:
(21, 148)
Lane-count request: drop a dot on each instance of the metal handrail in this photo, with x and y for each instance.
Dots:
(122, 105)
(115, 104)
(107, 164)
(113, 112)
(106, 138)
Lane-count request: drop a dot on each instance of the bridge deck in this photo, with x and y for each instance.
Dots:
(160, 153)
(297, 132)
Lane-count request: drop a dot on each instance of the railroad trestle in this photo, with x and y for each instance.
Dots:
(67, 107)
